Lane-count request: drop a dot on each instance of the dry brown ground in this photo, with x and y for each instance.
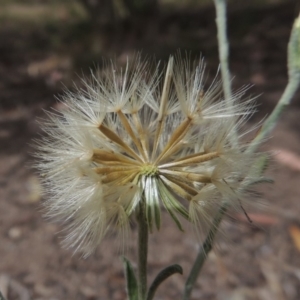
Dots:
(261, 261)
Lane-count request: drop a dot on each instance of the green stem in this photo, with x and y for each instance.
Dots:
(142, 250)
(223, 48)
(203, 252)
(223, 44)
(271, 121)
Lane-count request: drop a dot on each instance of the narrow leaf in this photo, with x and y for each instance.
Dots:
(162, 276)
(1, 296)
(131, 282)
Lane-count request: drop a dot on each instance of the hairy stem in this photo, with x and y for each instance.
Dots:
(203, 252)
(223, 48)
(223, 44)
(142, 250)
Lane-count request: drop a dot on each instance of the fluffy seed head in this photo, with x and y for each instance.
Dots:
(136, 135)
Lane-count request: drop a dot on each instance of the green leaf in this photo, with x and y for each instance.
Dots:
(162, 276)
(1, 296)
(132, 286)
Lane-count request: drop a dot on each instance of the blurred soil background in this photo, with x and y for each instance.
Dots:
(45, 46)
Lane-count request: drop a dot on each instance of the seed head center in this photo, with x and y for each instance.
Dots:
(149, 170)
